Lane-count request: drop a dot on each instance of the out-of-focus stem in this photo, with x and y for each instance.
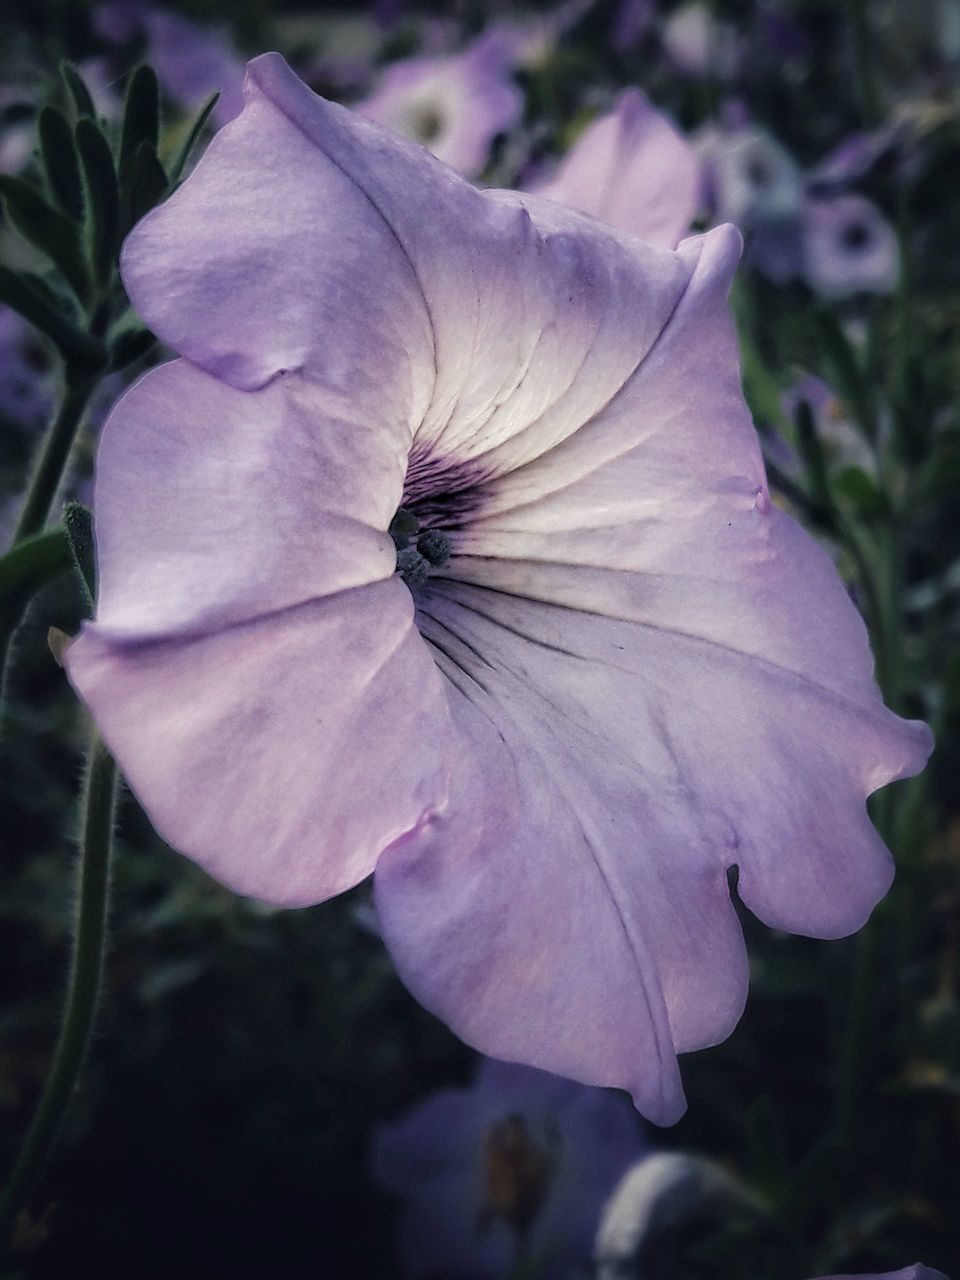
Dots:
(863, 52)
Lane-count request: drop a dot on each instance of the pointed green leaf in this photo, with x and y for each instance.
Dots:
(52, 232)
(148, 182)
(78, 91)
(103, 198)
(190, 141)
(141, 116)
(22, 296)
(31, 563)
(60, 163)
(78, 522)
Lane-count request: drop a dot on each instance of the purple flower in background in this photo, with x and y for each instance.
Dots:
(631, 23)
(194, 62)
(455, 105)
(634, 169)
(447, 551)
(782, 37)
(699, 45)
(26, 378)
(849, 247)
(520, 1160)
(754, 182)
(852, 160)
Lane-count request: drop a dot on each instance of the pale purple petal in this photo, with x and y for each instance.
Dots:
(455, 105)
(252, 640)
(849, 247)
(249, 746)
(634, 169)
(628, 593)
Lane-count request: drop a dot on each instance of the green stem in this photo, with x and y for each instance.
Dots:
(863, 50)
(100, 794)
(856, 1033)
(888, 640)
(53, 459)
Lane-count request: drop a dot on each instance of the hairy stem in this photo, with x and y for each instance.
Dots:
(99, 804)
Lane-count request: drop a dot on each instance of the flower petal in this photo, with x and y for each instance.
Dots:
(664, 678)
(214, 505)
(272, 259)
(249, 747)
(635, 170)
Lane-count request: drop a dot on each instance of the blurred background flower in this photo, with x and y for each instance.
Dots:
(514, 1169)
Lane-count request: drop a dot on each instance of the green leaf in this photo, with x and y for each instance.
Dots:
(844, 372)
(811, 451)
(78, 91)
(190, 141)
(78, 522)
(32, 563)
(60, 163)
(141, 126)
(141, 115)
(36, 307)
(52, 232)
(103, 198)
(148, 182)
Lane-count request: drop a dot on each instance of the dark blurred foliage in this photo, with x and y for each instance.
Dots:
(243, 1056)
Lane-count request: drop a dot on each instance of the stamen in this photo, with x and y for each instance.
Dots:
(434, 546)
(412, 567)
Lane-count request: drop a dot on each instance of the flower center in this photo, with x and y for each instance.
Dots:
(417, 550)
(518, 1171)
(425, 123)
(855, 236)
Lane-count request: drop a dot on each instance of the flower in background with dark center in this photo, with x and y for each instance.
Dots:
(452, 104)
(618, 671)
(849, 247)
(518, 1164)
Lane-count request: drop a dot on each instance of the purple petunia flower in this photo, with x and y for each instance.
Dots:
(446, 550)
(631, 23)
(27, 388)
(849, 247)
(455, 105)
(634, 169)
(521, 1160)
